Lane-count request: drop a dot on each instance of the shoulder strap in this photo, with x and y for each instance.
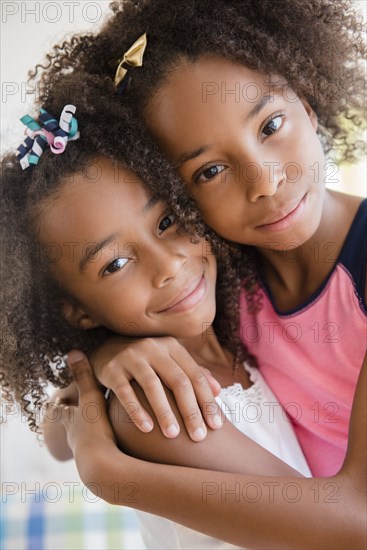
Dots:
(354, 252)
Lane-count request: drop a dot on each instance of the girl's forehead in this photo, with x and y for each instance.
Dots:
(102, 177)
(213, 77)
(198, 88)
(103, 191)
(202, 98)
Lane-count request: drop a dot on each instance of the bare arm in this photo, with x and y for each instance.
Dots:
(226, 450)
(246, 510)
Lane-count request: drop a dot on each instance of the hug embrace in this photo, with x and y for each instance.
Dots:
(185, 242)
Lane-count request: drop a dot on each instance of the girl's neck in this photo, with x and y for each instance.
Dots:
(293, 276)
(206, 350)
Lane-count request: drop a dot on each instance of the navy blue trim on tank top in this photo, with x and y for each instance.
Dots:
(353, 256)
(354, 253)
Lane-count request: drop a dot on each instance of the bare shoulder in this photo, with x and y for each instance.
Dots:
(347, 207)
(226, 449)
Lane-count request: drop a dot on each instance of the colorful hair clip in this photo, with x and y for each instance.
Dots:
(51, 134)
(131, 59)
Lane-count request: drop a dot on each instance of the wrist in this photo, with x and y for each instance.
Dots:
(105, 471)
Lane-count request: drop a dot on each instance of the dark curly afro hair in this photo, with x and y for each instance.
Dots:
(318, 46)
(35, 334)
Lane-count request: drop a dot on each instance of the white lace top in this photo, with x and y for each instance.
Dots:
(256, 412)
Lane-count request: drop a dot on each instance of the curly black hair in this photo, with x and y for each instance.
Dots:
(318, 46)
(35, 333)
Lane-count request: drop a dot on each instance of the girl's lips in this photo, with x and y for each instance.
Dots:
(288, 220)
(190, 300)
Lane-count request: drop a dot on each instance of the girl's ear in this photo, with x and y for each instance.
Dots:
(76, 316)
(311, 113)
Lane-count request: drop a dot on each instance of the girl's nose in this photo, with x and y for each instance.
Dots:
(166, 264)
(262, 179)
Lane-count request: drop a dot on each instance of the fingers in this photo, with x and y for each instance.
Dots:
(213, 383)
(194, 396)
(145, 374)
(124, 392)
(153, 389)
(134, 363)
(84, 377)
(151, 361)
(189, 384)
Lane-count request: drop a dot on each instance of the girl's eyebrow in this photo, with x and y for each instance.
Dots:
(93, 249)
(190, 155)
(150, 203)
(259, 106)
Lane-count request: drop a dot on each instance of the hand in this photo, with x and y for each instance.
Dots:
(86, 424)
(153, 361)
(91, 439)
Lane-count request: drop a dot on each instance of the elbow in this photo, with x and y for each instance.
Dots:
(60, 452)
(56, 443)
(62, 455)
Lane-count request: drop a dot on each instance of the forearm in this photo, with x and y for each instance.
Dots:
(250, 511)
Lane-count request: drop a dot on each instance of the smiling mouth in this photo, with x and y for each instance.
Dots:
(188, 298)
(285, 218)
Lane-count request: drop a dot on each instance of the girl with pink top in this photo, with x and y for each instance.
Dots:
(246, 98)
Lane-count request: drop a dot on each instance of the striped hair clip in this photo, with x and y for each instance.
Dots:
(47, 133)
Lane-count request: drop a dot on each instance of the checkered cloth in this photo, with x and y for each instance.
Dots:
(55, 519)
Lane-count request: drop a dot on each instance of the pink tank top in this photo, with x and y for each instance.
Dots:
(311, 356)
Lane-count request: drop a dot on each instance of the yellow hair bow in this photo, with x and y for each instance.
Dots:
(131, 59)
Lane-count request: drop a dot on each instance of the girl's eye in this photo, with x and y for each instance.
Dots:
(209, 172)
(166, 222)
(116, 265)
(272, 125)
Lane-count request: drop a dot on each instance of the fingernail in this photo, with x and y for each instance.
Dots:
(172, 430)
(75, 356)
(146, 426)
(217, 421)
(199, 434)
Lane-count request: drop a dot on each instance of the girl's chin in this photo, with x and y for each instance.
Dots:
(287, 241)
